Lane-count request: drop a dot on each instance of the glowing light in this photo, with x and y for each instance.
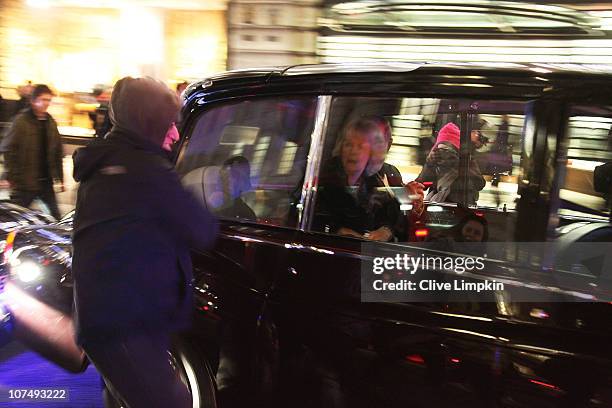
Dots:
(26, 272)
(541, 70)
(421, 233)
(546, 385)
(415, 358)
(142, 44)
(39, 3)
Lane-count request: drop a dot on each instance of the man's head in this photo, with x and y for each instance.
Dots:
(41, 99)
(380, 135)
(144, 107)
(476, 136)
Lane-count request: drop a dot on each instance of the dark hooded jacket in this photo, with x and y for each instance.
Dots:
(133, 228)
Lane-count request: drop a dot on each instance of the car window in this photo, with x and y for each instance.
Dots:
(246, 160)
(387, 142)
(590, 148)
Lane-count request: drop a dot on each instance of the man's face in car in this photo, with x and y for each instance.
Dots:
(476, 139)
(355, 153)
(380, 147)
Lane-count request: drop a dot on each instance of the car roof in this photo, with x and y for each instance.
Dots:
(338, 77)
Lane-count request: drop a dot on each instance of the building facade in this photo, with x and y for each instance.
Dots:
(268, 32)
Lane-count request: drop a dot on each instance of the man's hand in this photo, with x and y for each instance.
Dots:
(383, 234)
(349, 232)
(417, 195)
(5, 185)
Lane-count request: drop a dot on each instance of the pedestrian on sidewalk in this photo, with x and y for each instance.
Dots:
(34, 153)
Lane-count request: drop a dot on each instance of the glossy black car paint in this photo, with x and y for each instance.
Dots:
(290, 298)
(12, 217)
(278, 313)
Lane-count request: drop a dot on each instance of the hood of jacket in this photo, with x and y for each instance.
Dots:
(143, 107)
(98, 154)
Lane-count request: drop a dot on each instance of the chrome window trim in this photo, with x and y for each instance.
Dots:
(309, 187)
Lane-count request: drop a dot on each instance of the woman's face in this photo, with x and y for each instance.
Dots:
(472, 231)
(355, 153)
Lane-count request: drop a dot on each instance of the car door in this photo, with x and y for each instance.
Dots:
(494, 350)
(245, 160)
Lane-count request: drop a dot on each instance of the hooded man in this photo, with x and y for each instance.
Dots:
(133, 227)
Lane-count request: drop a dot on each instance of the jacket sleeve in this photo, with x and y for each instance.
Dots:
(59, 154)
(11, 147)
(183, 215)
(476, 176)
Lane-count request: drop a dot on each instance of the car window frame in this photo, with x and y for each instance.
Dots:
(188, 127)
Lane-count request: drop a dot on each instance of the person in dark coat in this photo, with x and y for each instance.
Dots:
(344, 204)
(33, 153)
(133, 228)
(386, 178)
(442, 169)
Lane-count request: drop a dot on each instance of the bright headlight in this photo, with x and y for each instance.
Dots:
(26, 271)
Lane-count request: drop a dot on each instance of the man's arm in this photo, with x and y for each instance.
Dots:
(10, 147)
(59, 155)
(185, 217)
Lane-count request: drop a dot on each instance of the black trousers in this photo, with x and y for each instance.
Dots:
(136, 369)
(45, 193)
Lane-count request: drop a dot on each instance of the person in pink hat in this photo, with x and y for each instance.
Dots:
(442, 169)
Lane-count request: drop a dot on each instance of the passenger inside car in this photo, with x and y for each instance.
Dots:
(465, 236)
(345, 203)
(442, 168)
(235, 175)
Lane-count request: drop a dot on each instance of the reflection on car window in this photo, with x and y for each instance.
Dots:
(424, 144)
(247, 160)
(590, 143)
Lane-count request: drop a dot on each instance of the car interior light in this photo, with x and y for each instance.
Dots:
(421, 233)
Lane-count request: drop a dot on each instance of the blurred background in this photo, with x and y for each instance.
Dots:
(81, 47)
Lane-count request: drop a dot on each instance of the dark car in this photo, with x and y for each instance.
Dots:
(282, 313)
(12, 217)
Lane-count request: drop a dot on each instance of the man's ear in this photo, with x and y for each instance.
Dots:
(390, 143)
